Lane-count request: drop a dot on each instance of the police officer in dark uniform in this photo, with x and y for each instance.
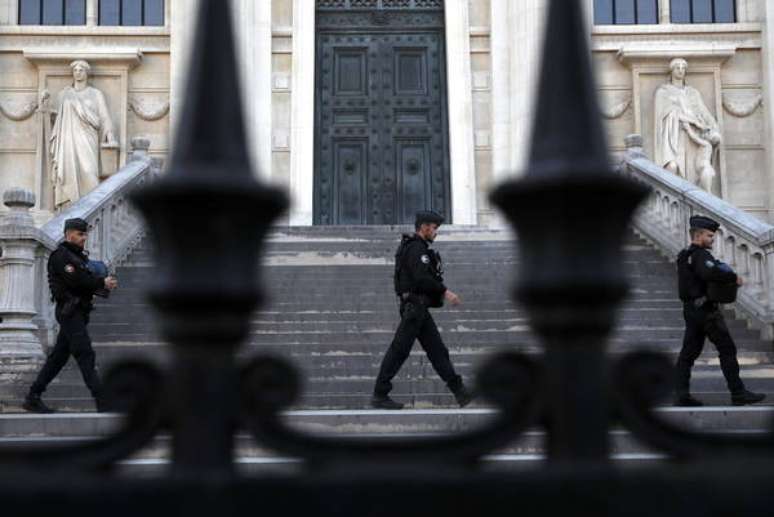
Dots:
(73, 286)
(419, 286)
(704, 282)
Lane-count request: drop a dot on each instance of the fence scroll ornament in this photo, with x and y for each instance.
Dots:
(575, 283)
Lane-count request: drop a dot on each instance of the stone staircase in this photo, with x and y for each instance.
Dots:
(331, 311)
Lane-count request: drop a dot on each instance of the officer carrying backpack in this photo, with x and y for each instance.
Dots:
(690, 290)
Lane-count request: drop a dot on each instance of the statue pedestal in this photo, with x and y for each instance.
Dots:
(109, 156)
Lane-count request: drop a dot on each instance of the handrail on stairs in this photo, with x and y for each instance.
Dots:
(743, 241)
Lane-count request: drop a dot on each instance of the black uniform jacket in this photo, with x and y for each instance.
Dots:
(69, 277)
(420, 271)
(696, 267)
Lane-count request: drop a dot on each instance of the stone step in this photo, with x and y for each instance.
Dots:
(332, 402)
(389, 322)
(459, 313)
(366, 363)
(324, 256)
(386, 302)
(424, 381)
(418, 388)
(319, 288)
(160, 350)
(455, 266)
(345, 365)
(360, 422)
(629, 334)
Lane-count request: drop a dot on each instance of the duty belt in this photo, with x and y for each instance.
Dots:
(421, 298)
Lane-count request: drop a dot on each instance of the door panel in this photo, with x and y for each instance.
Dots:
(350, 71)
(413, 160)
(411, 71)
(381, 146)
(351, 159)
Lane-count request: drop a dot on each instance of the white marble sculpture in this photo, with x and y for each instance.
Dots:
(82, 126)
(686, 133)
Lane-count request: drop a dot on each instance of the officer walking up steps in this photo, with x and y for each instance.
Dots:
(73, 286)
(703, 283)
(419, 286)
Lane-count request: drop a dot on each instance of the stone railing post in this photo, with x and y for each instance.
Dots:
(140, 147)
(634, 146)
(18, 251)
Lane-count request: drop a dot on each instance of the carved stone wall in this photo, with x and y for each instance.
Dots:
(130, 66)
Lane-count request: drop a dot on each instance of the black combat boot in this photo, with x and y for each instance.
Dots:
(34, 404)
(743, 397)
(385, 402)
(102, 404)
(687, 400)
(463, 396)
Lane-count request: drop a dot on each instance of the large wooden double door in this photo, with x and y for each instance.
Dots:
(381, 146)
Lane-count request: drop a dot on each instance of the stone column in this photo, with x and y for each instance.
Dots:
(460, 102)
(527, 19)
(182, 25)
(302, 113)
(252, 24)
(19, 244)
(501, 90)
(664, 13)
(9, 12)
(768, 98)
(92, 13)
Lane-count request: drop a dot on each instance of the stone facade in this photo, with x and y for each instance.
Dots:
(492, 55)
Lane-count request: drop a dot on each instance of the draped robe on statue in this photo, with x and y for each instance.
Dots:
(683, 129)
(75, 143)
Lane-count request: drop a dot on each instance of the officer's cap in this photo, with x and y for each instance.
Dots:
(704, 223)
(76, 224)
(428, 217)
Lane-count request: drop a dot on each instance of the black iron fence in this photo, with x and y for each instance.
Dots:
(571, 212)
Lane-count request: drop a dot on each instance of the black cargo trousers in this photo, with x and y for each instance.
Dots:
(702, 322)
(73, 339)
(416, 322)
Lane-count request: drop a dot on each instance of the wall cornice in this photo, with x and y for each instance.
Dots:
(81, 30)
(669, 29)
(124, 57)
(636, 53)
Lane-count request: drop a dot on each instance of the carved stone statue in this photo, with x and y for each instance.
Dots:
(686, 134)
(82, 124)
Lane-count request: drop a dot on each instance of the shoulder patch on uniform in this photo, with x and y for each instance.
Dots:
(425, 259)
(69, 268)
(709, 263)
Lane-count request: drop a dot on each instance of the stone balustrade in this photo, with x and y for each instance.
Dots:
(114, 226)
(743, 241)
(26, 311)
